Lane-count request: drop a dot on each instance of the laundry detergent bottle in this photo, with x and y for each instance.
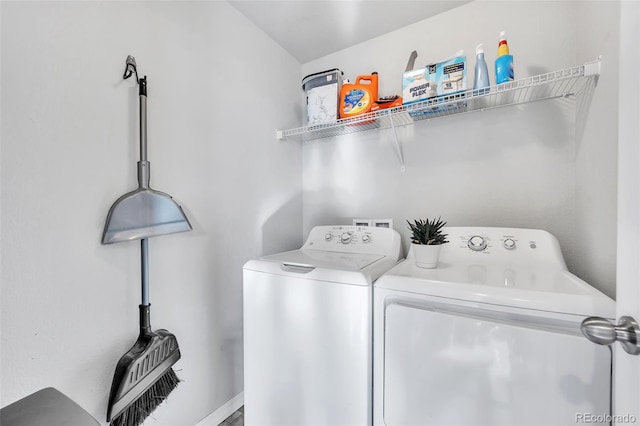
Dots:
(481, 78)
(504, 61)
(359, 97)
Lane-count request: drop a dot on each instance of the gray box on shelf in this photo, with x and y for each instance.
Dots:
(322, 90)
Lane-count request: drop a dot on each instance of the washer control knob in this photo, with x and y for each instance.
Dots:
(477, 243)
(509, 243)
(366, 238)
(345, 238)
(328, 237)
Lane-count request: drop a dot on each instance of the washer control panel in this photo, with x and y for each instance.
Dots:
(353, 239)
(501, 244)
(346, 235)
(479, 242)
(485, 242)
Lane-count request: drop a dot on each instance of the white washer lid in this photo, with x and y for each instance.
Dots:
(545, 289)
(325, 259)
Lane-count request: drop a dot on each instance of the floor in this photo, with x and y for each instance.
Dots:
(236, 419)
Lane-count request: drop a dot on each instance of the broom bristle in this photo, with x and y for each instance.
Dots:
(139, 410)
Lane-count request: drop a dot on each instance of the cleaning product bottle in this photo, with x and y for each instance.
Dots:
(359, 97)
(481, 80)
(504, 61)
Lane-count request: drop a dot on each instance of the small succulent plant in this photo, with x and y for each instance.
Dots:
(425, 232)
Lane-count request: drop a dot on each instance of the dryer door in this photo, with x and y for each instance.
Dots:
(465, 365)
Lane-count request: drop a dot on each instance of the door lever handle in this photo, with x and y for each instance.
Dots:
(602, 332)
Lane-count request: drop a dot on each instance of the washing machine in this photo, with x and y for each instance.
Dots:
(489, 337)
(308, 328)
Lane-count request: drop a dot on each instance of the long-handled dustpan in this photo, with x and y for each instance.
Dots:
(143, 212)
(143, 376)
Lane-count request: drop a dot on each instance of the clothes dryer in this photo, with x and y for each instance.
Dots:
(308, 328)
(490, 337)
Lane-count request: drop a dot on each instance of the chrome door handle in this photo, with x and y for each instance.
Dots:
(602, 332)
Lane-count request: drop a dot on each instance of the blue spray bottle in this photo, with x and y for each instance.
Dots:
(504, 61)
(481, 80)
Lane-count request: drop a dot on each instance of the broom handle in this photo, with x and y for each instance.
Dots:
(143, 165)
(143, 180)
(144, 255)
(143, 118)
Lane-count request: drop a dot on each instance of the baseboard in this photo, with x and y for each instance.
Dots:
(227, 409)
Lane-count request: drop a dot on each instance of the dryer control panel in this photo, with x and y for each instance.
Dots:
(501, 245)
(353, 239)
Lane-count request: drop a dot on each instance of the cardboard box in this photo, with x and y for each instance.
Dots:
(435, 80)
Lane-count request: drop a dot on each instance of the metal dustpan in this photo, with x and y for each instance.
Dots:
(144, 212)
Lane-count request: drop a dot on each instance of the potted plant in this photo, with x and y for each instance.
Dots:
(426, 240)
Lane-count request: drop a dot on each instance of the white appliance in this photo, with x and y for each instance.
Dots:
(308, 328)
(490, 337)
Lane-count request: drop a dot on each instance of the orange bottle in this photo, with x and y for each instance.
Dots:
(359, 97)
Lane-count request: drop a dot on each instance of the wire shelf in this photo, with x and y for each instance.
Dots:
(564, 83)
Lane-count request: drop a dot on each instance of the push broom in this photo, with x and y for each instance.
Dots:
(144, 376)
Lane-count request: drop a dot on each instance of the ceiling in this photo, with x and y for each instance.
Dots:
(310, 29)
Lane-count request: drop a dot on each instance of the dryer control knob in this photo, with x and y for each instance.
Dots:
(366, 238)
(328, 237)
(509, 244)
(345, 238)
(477, 243)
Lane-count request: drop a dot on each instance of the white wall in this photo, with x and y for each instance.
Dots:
(597, 26)
(217, 89)
(514, 167)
